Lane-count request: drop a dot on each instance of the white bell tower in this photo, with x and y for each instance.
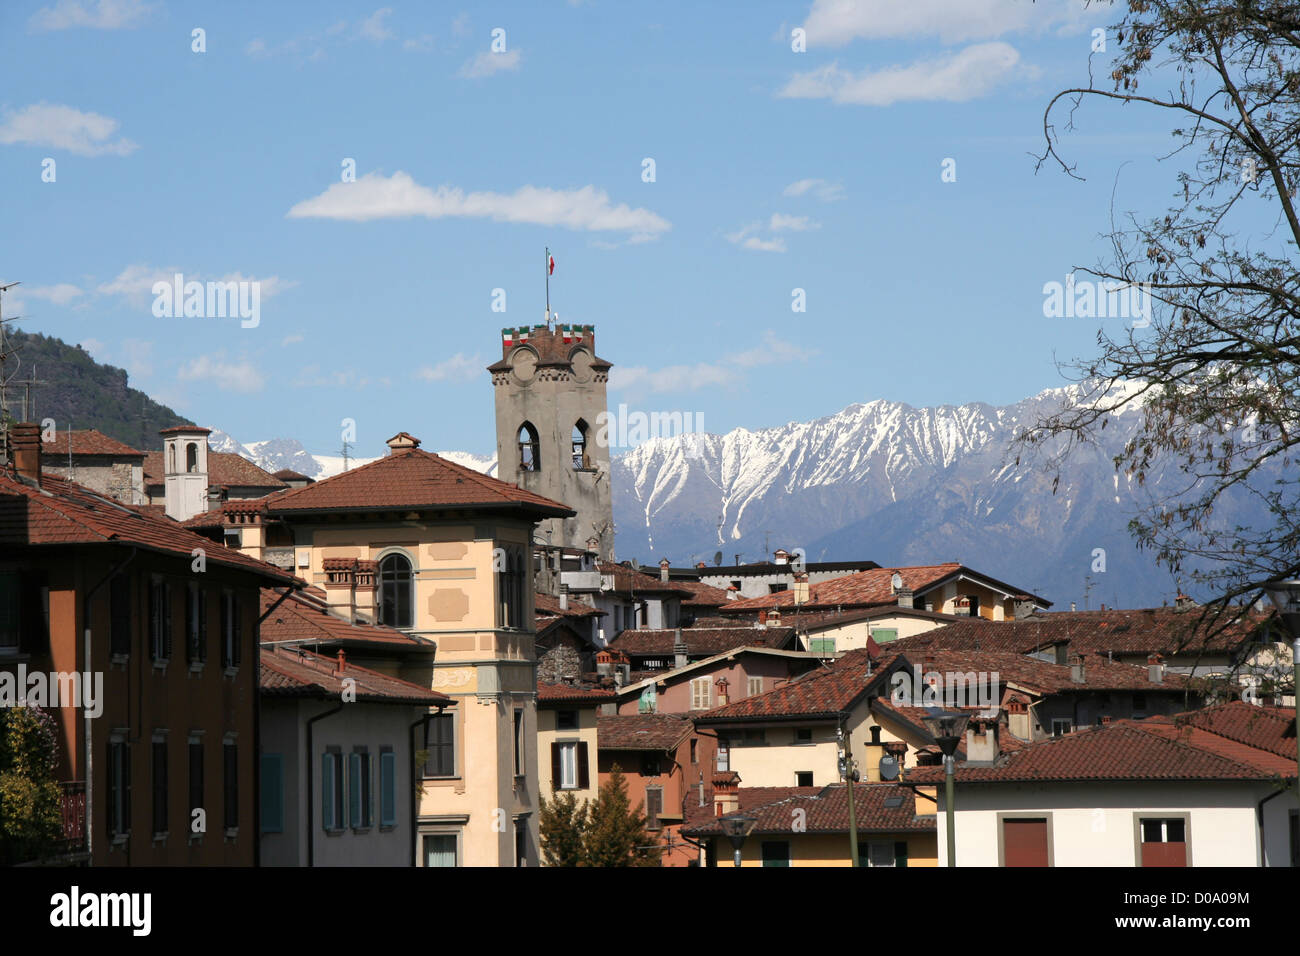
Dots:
(185, 470)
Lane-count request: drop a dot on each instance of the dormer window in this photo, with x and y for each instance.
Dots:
(529, 454)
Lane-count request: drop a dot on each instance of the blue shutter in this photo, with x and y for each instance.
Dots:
(272, 793)
(327, 791)
(388, 789)
(354, 787)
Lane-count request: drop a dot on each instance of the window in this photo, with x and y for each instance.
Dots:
(723, 755)
(1139, 703)
(191, 458)
(196, 624)
(519, 743)
(159, 785)
(654, 807)
(736, 585)
(883, 853)
(440, 743)
(974, 600)
(569, 766)
(883, 635)
(1163, 841)
(196, 775)
(580, 459)
(119, 787)
(119, 616)
(396, 584)
(777, 588)
(803, 778)
(272, 793)
(1025, 842)
(822, 646)
(1062, 726)
(440, 849)
(649, 700)
(512, 574)
(803, 735)
(387, 788)
(160, 620)
(694, 756)
(529, 456)
(331, 790)
(230, 629)
(754, 686)
(701, 693)
(171, 459)
(650, 765)
(776, 853)
(521, 843)
(566, 720)
(360, 790)
(645, 613)
(230, 778)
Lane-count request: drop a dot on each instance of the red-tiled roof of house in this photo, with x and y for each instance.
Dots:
(577, 693)
(702, 595)
(627, 580)
(1043, 677)
(225, 470)
(288, 474)
(546, 604)
(1264, 728)
(299, 618)
(1124, 750)
(413, 479)
(297, 672)
(878, 808)
(63, 512)
(822, 694)
(658, 732)
(1163, 630)
(706, 641)
(88, 442)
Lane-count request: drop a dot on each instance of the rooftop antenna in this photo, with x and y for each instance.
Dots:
(347, 448)
(4, 355)
(29, 404)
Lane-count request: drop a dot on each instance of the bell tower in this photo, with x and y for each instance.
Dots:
(551, 427)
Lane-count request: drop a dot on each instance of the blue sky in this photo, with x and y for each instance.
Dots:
(774, 170)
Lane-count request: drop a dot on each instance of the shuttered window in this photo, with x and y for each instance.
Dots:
(654, 807)
(1024, 842)
(119, 628)
(159, 786)
(230, 762)
(119, 787)
(332, 803)
(701, 693)
(1164, 841)
(196, 777)
(387, 789)
(160, 620)
(196, 624)
(272, 793)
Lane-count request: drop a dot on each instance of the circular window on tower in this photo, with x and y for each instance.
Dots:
(581, 362)
(524, 364)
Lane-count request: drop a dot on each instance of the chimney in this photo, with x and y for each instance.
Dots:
(680, 658)
(564, 597)
(875, 750)
(700, 564)
(341, 664)
(604, 664)
(904, 596)
(1183, 602)
(1155, 669)
(782, 556)
(1076, 669)
(1073, 607)
(726, 793)
(401, 442)
(723, 684)
(663, 569)
(340, 580)
(1022, 608)
(801, 588)
(982, 740)
(762, 618)
(25, 446)
(367, 576)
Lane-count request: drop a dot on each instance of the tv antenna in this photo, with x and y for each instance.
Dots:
(4, 355)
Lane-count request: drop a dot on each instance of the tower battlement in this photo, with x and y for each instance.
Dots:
(552, 343)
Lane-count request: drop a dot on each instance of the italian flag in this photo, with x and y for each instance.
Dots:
(567, 331)
(523, 333)
(550, 265)
(507, 336)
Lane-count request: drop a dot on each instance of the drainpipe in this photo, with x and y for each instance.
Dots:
(85, 719)
(311, 783)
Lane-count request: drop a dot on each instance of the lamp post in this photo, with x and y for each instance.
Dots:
(1285, 593)
(948, 728)
(737, 828)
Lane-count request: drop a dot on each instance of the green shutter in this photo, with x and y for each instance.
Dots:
(883, 635)
(388, 789)
(354, 787)
(327, 790)
(272, 793)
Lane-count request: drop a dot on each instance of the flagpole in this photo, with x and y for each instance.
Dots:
(546, 265)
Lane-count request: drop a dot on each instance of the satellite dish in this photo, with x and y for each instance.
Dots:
(896, 582)
(888, 768)
(717, 560)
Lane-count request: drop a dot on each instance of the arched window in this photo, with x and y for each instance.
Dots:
(580, 459)
(396, 587)
(529, 455)
(171, 459)
(191, 458)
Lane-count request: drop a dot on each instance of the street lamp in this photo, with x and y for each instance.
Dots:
(948, 728)
(1285, 593)
(737, 828)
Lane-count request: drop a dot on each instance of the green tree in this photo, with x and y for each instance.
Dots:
(616, 833)
(31, 820)
(562, 825)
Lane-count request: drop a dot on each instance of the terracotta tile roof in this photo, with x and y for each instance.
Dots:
(546, 604)
(878, 808)
(700, 641)
(658, 732)
(702, 595)
(415, 479)
(1166, 631)
(623, 579)
(1193, 736)
(88, 442)
(1126, 750)
(64, 512)
(577, 693)
(297, 672)
(1264, 728)
(863, 589)
(1040, 676)
(288, 474)
(299, 618)
(225, 469)
(821, 694)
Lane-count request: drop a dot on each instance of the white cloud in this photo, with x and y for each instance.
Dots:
(62, 127)
(292, 340)
(374, 28)
(835, 23)
(60, 294)
(458, 368)
(823, 190)
(101, 15)
(747, 237)
(486, 64)
(375, 196)
(135, 282)
(955, 78)
(241, 376)
(311, 377)
(681, 378)
(421, 44)
(780, 222)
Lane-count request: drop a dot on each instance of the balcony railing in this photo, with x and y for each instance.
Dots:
(73, 804)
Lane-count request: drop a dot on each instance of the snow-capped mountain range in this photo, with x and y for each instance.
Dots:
(881, 481)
